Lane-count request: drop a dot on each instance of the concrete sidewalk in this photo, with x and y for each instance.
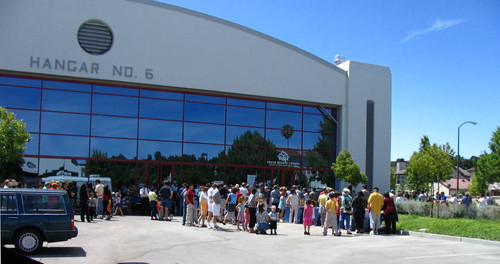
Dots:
(137, 239)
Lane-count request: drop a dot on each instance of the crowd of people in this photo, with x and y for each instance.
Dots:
(261, 208)
(252, 209)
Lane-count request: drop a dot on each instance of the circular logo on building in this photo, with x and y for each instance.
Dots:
(95, 37)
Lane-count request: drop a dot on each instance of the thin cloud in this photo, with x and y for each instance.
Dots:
(437, 26)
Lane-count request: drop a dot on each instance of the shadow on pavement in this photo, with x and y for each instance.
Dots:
(61, 252)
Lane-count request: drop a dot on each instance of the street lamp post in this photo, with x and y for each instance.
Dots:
(458, 154)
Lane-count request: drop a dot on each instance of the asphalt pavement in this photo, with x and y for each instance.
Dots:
(137, 239)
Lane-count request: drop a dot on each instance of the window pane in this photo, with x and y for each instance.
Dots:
(196, 150)
(115, 90)
(61, 123)
(242, 102)
(160, 130)
(245, 135)
(115, 105)
(163, 109)
(238, 155)
(67, 86)
(316, 123)
(206, 113)
(20, 81)
(31, 118)
(205, 99)
(203, 133)
(32, 146)
(50, 167)
(8, 204)
(318, 141)
(280, 141)
(43, 204)
(64, 146)
(245, 116)
(16, 97)
(30, 167)
(165, 149)
(318, 160)
(278, 119)
(66, 101)
(284, 107)
(115, 148)
(114, 126)
(162, 94)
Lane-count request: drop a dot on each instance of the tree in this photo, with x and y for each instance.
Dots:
(431, 164)
(287, 132)
(13, 140)
(346, 169)
(394, 178)
(488, 166)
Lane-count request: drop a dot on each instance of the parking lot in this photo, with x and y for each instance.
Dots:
(137, 239)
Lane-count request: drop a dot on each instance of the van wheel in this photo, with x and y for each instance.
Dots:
(28, 241)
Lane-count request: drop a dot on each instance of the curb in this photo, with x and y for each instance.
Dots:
(453, 238)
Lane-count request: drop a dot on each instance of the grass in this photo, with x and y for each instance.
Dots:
(474, 228)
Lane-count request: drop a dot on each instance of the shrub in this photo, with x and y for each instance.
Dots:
(449, 211)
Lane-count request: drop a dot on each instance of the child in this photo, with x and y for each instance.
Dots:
(92, 205)
(273, 220)
(241, 213)
(308, 216)
(262, 220)
(203, 204)
(118, 203)
(247, 218)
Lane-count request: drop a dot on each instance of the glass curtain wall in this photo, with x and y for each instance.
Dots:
(138, 135)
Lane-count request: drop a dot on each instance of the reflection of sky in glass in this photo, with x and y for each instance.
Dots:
(312, 122)
(115, 90)
(203, 133)
(20, 81)
(30, 118)
(160, 130)
(278, 119)
(67, 86)
(167, 149)
(250, 103)
(115, 147)
(198, 149)
(163, 109)
(280, 141)
(162, 94)
(61, 123)
(234, 132)
(19, 97)
(32, 146)
(245, 116)
(205, 99)
(66, 101)
(310, 140)
(64, 146)
(285, 107)
(115, 105)
(114, 126)
(205, 113)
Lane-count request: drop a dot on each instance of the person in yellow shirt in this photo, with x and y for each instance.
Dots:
(331, 216)
(321, 203)
(375, 203)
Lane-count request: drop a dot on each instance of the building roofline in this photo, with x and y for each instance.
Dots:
(241, 28)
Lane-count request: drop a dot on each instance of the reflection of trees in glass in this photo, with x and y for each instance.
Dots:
(321, 157)
(121, 173)
(248, 149)
(287, 132)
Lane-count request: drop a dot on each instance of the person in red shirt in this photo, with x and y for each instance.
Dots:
(190, 206)
(390, 214)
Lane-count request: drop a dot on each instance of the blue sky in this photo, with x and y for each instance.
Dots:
(444, 57)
